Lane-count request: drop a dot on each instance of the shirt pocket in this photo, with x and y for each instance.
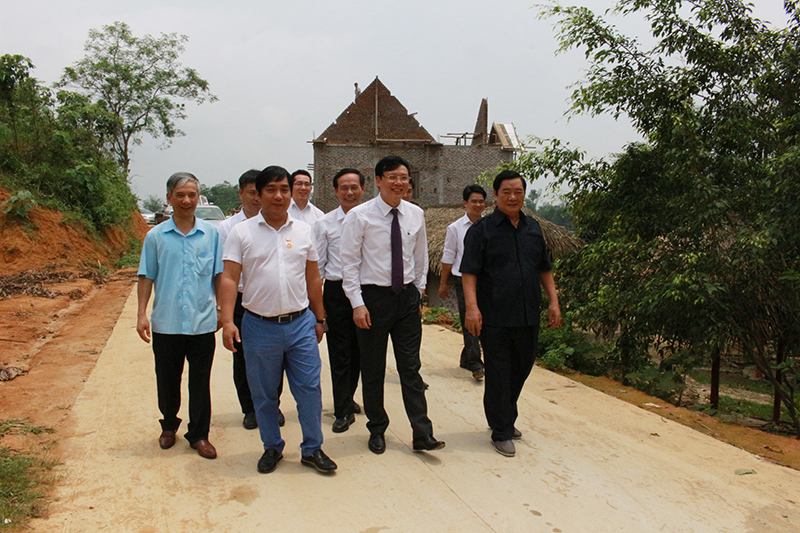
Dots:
(205, 263)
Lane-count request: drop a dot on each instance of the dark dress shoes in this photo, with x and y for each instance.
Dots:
(249, 421)
(340, 425)
(427, 444)
(356, 408)
(320, 461)
(517, 434)
(167, 439)
(269, 461)
(205, 449)
(377, 444)
(281, 418)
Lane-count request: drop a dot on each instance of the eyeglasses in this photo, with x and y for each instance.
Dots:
(303, 184)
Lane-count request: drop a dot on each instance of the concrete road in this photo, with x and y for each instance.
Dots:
(586, 463)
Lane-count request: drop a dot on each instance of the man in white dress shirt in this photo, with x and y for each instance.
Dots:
(343, 352)
(384, 267)
(300, 208)
(474, 202)
(284, 319)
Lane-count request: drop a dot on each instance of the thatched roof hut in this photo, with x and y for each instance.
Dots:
(559, 240)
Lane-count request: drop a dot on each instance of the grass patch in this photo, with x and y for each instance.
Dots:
(25, 478)
(734, 380)
(731, 409)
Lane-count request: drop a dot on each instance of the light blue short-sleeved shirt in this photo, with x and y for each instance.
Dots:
(182, 268)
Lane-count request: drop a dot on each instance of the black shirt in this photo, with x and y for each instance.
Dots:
(507, 262)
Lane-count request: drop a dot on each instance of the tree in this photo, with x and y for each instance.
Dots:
(225, 195)
(153, 203)
(55, 147)
(693, 242)
(532, 199)
(140, 81)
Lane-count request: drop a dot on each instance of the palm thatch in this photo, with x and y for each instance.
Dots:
(559, 240)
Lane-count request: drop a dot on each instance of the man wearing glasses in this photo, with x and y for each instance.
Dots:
(301, 208)
(384, 267)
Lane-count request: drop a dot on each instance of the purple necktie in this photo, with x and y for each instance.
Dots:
(397, 254)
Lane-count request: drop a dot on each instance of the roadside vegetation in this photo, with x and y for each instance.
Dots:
(25, 477)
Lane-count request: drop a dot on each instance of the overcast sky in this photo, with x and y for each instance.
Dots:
(284, 71)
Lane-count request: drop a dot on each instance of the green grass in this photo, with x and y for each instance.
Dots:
(24, 477)
(734, 380)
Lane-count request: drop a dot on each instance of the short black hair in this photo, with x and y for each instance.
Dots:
(270, 174)
(411, 184)
(303, 172)
(247, 178)
(508, 175)
(469, 190)
(348, 171)
(389, 163)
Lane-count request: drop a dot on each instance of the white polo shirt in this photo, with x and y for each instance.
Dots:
(273, 264)
(328, 238)
(366, 247)
(309, 214)
(454, 244)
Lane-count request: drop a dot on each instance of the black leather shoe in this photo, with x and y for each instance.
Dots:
(517, 434)
(356, 408)
(281, 418)
(427, 444)
(340, 425)
(377, 444)
(269, 461)
(250, 421)
(320, 461)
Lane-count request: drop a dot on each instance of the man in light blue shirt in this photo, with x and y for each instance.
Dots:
(182, 259)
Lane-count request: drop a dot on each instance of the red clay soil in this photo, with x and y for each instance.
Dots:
(47, 242)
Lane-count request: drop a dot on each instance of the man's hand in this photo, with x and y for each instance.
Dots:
(444, 291)
(143, 328)
(320, 329)
(554, 319)
(230, 333)
(474, 321)
(361, 317)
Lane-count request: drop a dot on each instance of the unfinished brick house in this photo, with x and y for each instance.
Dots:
(377, 125)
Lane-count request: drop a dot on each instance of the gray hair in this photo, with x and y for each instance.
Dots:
(179, 179)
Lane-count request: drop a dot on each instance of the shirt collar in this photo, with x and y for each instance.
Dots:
(172, 227)
(386, 208)
(339, 213)
(498, 217)
(263, 222)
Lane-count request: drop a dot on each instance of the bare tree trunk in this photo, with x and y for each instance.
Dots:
(715, 371)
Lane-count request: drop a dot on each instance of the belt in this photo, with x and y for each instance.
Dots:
(280, 319)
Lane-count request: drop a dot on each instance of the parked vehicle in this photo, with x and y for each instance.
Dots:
(148, 216)
(165, 213)
(210, 213)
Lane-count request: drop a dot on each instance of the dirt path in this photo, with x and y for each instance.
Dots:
(587, 462)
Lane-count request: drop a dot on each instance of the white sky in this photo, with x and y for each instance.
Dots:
(284, 71)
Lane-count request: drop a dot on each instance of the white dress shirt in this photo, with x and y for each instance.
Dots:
(309, 214)
(366, 247)
(328, 238)
(225, 228)
(454, 244)
(273, 264)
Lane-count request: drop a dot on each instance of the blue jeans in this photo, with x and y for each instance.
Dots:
(268, 347)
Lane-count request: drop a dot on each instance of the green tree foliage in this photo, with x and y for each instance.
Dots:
(153, 203)
(693, 242)
(139, 81)
(54, 147)
(225, 195)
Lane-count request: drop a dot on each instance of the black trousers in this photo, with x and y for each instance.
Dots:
(396, 315)
(239, 367)
(471, 354)
(343, 352)
(170, 352)
(508, 354)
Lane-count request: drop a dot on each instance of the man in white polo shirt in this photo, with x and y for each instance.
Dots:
(284, 316)
(300, 208)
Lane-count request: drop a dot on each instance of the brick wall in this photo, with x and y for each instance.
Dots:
(440, 172)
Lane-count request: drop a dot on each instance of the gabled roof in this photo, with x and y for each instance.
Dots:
(358, 125)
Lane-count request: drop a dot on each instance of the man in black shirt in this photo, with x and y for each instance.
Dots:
(505, 266)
